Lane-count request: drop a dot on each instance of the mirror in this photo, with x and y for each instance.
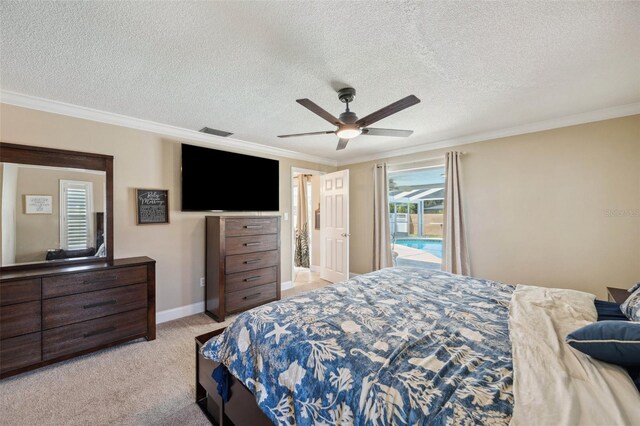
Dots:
(57, 213)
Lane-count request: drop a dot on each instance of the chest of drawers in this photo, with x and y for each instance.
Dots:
(56, 313)
(242, 263)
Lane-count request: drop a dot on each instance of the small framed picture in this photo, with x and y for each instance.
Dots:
(152, 206)
(38, 204)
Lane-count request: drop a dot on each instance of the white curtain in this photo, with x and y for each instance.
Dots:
(455, 257)
(382, 257)
(302, 227)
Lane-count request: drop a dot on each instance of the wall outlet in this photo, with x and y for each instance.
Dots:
(202, 282)
(286, 216)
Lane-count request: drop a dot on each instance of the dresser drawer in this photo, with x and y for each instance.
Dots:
(246, 298)
(247, 262)
(250, 279)
(19, 319)
(90, 334)
(20, 351)
(81, 307)
(254, 243)
(62, 285)
(251, 226)
(19, 291)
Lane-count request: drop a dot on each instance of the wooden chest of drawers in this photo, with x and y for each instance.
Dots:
(242, 263)
(55, 313)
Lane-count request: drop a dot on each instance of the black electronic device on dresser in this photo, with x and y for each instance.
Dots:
(54, 308)
(242, 263)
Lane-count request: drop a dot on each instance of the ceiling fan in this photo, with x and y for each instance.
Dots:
(350, 126)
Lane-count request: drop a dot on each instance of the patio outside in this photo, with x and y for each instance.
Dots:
(416, 200)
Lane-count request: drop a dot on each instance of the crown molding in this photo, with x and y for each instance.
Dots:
(63, 108)
(56, 107)
(555, 123)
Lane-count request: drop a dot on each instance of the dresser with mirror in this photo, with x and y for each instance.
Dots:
(62, 293)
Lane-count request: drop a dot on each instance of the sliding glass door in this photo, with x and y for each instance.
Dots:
(416, 202)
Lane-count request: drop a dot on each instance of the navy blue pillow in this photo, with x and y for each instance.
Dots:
(609, 311)
(617, 342)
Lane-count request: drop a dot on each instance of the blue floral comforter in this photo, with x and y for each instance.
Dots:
(398, 346)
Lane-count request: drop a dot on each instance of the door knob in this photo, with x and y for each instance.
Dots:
(345, 235)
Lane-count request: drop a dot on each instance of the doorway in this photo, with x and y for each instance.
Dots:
(305, 228)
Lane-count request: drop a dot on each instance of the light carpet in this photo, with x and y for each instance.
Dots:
(137, 383)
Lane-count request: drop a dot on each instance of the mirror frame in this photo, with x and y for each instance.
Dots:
(35, 155)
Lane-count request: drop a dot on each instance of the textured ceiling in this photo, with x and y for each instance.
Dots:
(477, 66)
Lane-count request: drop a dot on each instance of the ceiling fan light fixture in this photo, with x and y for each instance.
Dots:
(349, 132)
(349, 125)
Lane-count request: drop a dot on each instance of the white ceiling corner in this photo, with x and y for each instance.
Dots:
(48, 105)
(481, 69)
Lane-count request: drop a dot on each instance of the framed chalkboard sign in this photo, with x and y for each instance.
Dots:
(152, 206)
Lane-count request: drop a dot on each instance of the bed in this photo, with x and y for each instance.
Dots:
(413, 346)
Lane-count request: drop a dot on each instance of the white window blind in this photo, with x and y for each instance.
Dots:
(76, 207)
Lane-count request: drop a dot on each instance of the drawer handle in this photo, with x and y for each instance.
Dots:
(252, 244)
(101, 331)
(95, 305)
(257, 277)
(253, 296)
(249, 262)
(101, 280)
(253, 226)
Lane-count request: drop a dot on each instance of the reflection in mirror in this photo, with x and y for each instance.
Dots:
(51, 213)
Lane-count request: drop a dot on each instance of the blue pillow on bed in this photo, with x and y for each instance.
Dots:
(617, 342)
(631, 306)
(609, 311)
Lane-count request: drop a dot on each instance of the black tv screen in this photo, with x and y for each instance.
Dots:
(210, 181)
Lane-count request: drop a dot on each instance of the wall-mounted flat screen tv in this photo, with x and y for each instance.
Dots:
(226, 181)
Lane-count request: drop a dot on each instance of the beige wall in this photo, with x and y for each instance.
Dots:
(36, 233)
(144, 159)
(9, 188)
(559, 208)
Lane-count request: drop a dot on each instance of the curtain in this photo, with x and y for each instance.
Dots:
(382, 257)
(302, 227)
(455, 256)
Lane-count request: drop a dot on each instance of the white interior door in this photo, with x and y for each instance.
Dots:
(334, 226)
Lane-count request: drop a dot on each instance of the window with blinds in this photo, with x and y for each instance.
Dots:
(76, 206)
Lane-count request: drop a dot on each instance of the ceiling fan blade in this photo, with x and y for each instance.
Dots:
(387, 132)
(342, 144)
(319, 111)
(307, 134)
(388, 110)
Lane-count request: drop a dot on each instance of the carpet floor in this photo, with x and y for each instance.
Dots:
(137, 383)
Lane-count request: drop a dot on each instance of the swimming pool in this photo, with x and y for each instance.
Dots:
(430, 246)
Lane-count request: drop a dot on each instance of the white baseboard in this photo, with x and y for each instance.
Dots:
(287, 285)
(315, 268)
(196, 308)
(353, 274)
(182, 311)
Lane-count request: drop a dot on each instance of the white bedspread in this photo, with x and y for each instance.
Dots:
(553, 383)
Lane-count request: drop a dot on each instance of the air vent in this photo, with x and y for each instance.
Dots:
(216, 132)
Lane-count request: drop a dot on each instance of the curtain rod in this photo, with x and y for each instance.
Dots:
(442, 157)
